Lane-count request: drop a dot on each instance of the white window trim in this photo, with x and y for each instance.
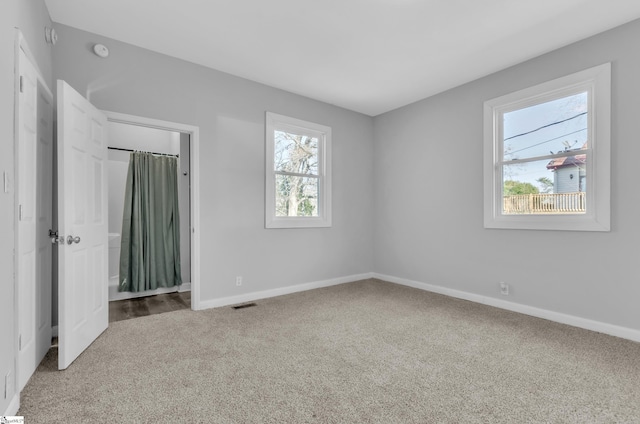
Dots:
(597, 81)
(274, 121)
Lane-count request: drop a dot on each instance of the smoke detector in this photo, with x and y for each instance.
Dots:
(101, 50)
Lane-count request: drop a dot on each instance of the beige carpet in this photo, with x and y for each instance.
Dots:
(365, 352)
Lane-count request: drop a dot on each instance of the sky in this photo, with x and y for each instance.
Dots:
(540, 130)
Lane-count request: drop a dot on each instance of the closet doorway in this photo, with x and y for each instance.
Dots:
(129, 133)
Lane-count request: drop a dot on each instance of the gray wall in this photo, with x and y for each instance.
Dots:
(429, 196)
(230, 113)
(31, 17)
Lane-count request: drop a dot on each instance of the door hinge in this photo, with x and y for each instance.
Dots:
(20, 342)
(20, 213)
(21, 84)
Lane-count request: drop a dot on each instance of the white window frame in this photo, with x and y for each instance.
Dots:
(597, 82)
(274, 122)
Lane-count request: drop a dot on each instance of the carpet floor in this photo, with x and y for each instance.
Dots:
(363, 352)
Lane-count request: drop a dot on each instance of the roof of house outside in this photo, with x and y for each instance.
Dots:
(563, 162)
(576, 160)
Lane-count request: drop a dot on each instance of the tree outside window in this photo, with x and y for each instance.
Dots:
(298, 173)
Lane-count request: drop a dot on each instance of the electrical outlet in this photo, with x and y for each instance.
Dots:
(8, 384)
(504, 288)
(239, 280)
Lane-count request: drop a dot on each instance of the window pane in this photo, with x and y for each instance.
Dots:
(295, 153)
(296, 196)
(555, 186)
(546, 128)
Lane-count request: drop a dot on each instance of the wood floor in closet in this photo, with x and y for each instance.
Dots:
(142, 306)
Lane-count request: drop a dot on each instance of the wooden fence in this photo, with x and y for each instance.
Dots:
(542, 203)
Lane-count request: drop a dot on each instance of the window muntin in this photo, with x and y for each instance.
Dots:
(547, 155)
(298, 188)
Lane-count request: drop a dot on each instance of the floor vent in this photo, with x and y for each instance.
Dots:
(246, 305)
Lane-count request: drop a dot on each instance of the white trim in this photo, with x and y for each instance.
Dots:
(595, 80)
(13, 407)
(194, 154)
(274, 121)
(249, 297)
(572, 320)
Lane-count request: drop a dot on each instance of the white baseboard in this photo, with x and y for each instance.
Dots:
(587, 324)
(14, 405)
(249, 297)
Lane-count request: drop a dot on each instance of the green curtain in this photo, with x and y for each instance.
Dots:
(150, 246)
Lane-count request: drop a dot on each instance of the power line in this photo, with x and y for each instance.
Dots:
(543, 142)
(546, 126)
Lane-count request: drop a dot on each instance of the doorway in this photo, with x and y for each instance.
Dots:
(128, 132)
(127, 138)
(193, 147)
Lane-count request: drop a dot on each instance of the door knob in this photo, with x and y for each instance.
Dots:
(72, 239)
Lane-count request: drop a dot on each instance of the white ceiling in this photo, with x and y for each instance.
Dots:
(369, 56)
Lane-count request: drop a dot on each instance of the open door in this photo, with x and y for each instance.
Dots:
(83, 304)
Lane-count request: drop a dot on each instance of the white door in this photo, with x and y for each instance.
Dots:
(83, 310)
(26, 214)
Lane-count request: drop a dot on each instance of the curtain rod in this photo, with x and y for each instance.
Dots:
(131, 150)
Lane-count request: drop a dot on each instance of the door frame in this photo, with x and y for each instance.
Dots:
(194, 182)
